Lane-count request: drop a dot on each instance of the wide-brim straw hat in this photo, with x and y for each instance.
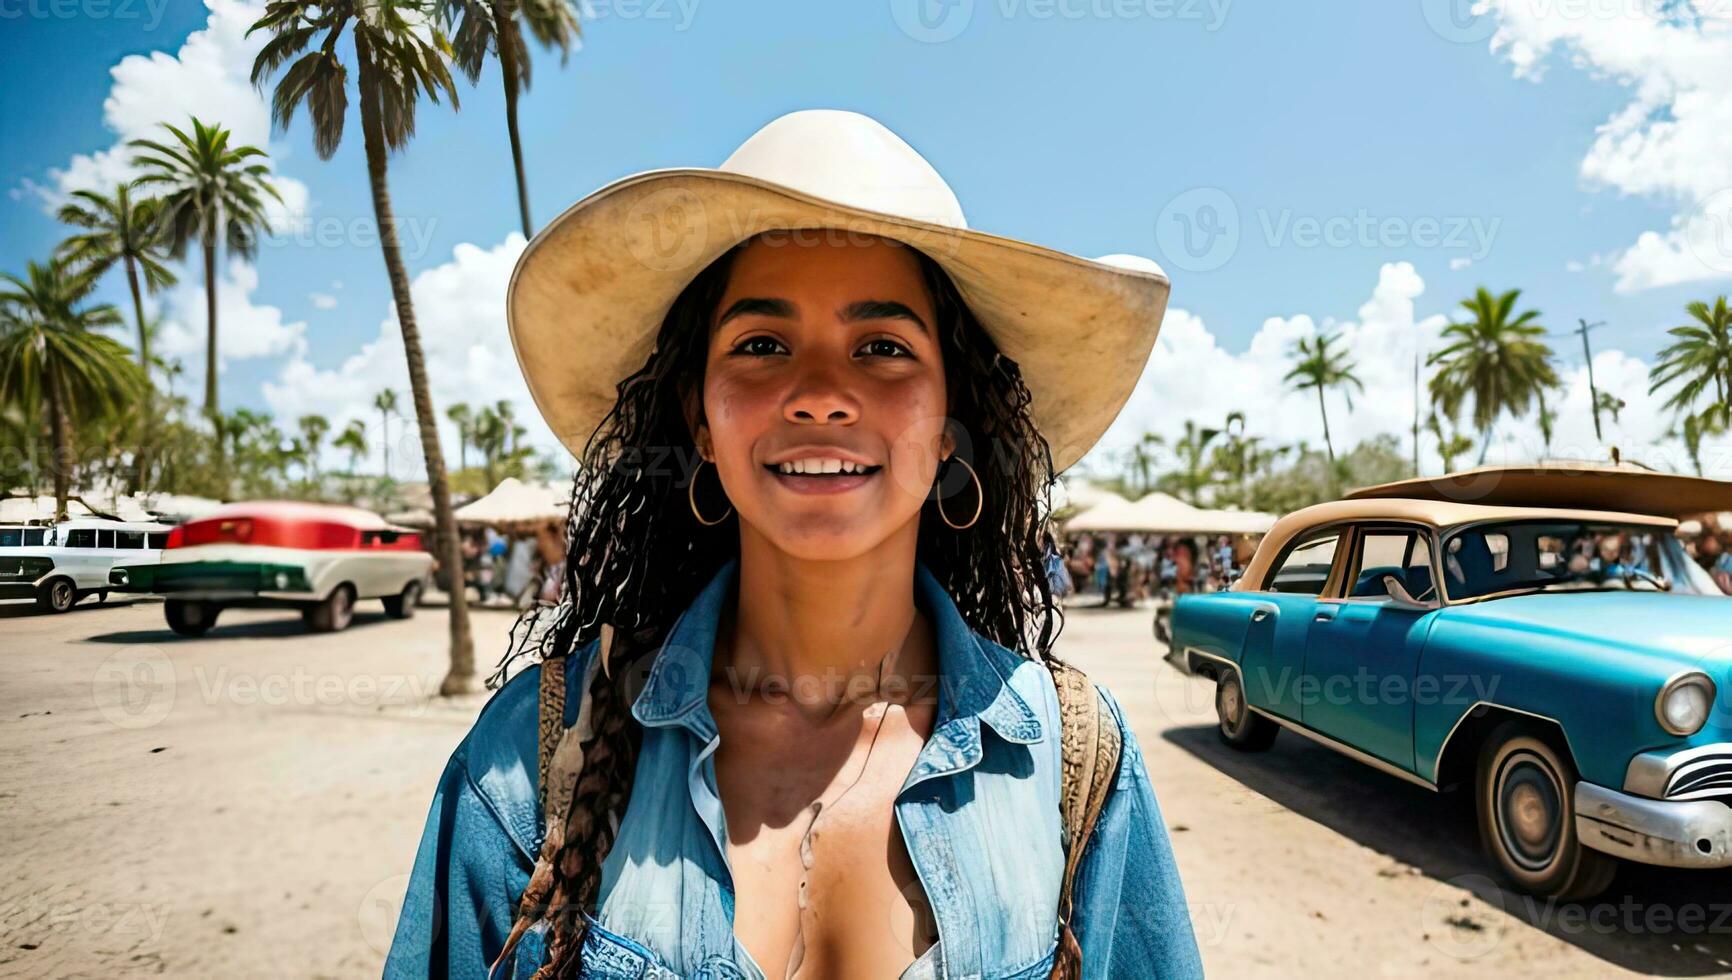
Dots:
(590, 292)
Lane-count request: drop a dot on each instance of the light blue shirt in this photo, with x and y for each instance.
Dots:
(979, 812)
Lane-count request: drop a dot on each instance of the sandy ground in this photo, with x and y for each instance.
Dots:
(248, 804)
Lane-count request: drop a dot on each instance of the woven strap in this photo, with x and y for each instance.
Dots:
(1090, 745)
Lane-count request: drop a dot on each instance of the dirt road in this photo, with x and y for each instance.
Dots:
(248, 805)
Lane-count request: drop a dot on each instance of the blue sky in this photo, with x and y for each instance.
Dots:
(1352, 139)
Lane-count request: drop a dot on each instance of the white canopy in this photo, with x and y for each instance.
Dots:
(514, 502)
(1161, 513)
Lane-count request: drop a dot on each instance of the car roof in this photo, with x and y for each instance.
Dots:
(102, 522)
(1441, 514)
(1623, 487)
(301, 510)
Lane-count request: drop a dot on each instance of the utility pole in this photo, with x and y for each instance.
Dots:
(1588, 356)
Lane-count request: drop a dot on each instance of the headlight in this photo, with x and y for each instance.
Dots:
(1685, 703)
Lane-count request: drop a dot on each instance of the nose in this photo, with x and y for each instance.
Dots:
(820, 398)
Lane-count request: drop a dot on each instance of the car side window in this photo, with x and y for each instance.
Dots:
(1305, 569)
(105, 538)
(81, 537)
(158, 540)
(35, 535)
(1404, 554)
(129, 539)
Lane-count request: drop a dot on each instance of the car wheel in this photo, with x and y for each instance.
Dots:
(1524, 795)
(1239, 726)
(402, 605)
(57, 595)
(333, 614)
(189, 618)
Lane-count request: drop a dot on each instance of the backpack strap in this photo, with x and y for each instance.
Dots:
(1090, 746)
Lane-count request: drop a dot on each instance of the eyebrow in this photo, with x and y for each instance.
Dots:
(866, 309)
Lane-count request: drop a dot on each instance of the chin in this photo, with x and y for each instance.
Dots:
(824, 539)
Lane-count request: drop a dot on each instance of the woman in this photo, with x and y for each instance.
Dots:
(805, 602)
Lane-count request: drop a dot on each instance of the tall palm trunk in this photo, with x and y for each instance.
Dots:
(385, 433)
(1323, 408)
(505, 31)
(60, 443)
(461, 676)
(210, 312)
(141, 452)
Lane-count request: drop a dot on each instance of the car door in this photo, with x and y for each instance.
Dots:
(1273, 661)
(1362, 651)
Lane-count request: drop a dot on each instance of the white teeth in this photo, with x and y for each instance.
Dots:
(819, 465)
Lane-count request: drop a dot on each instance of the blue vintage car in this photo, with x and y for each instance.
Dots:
(1572, 666)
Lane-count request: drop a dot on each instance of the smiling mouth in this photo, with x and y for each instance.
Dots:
(821, 476)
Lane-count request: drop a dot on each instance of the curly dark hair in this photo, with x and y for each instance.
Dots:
(636, 556)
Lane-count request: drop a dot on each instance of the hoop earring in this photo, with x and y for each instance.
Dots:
(692, 498)
(979, 498)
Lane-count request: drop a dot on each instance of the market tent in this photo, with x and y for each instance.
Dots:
(514, 503)
(1160, 513)
(1079, 493)
(421, 520)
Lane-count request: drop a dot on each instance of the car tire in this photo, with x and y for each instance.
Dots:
(334, 613)
(57, 595)
(190, 617)
(1524, 798)
(1239, 726)
(402, 605)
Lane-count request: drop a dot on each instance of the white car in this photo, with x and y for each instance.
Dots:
(318, 558)
(73, 558)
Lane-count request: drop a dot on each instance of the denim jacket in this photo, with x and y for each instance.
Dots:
(979, 812)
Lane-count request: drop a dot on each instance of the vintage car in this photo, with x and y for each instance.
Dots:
(318, 558)
(72, 559)
(1570, 664)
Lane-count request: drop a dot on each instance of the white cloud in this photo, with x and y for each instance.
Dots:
(460, 309)
(207, 77)
(1190, 376)
(1672, 140)
(322, 301)
(244, 330)
(1458, 264)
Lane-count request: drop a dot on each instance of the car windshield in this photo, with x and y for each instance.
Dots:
(1509, 557)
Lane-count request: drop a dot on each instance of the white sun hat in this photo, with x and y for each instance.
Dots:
(590, 292)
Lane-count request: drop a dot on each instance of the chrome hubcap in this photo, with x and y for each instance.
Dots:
(1530, 812)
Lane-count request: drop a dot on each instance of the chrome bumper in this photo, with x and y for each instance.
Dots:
(1673, 833)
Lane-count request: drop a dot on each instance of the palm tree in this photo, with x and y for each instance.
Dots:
(1499, 362)
(119, 229)
(353, 440)
(460, 416)
(1144, 454)
(313, 429)
(1190, 449)
(1451, 446)
(483, 25)
(399, 55)
(386, 402)
(1700, 355)
(50, 353)
(1321, 366)
(214, 194)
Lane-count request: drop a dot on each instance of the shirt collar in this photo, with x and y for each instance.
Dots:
(975, 685)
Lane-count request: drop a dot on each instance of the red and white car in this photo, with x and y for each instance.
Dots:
(318, 558)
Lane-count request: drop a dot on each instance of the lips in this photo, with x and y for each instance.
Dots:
(822, 474)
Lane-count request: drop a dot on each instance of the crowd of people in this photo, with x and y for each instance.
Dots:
(1712, 549)
(1123, 568)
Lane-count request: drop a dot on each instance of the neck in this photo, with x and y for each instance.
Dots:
(824, 632)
